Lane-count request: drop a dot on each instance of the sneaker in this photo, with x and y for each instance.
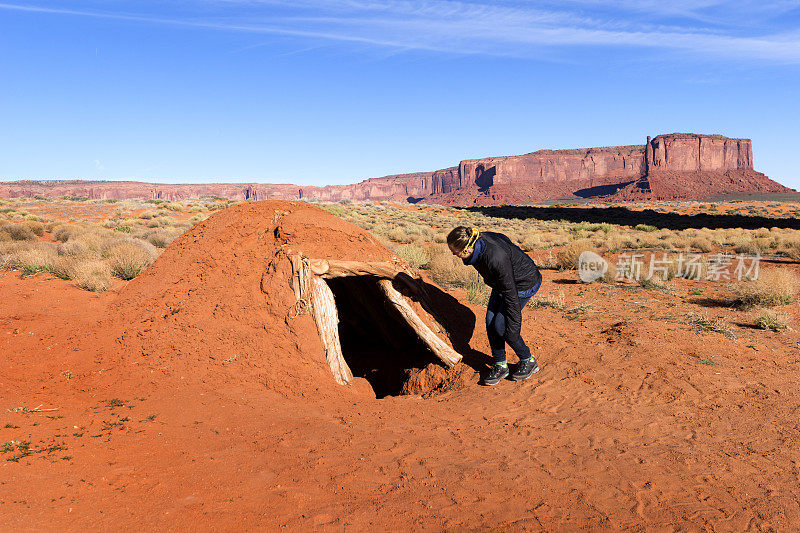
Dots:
(496, 374)
(525, 369)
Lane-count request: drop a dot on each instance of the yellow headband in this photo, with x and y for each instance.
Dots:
(473, 238)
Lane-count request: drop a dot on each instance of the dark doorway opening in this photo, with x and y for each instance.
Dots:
(377, 344)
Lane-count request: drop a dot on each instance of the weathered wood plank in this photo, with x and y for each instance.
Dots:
(327, 319)
(440, 348)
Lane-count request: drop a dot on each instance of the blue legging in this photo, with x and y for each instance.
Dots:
(496, 327)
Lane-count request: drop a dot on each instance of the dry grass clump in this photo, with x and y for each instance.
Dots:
(701, 322)
(173, 206)
(414, 255)
(531, 242)
(773, 321)
(147, 215)
(73, 247)
(567, 258)
(649, 240)
(18, 232)
(66, 232)
(792, 249)
(398, 235)
(645, 227)
(36, 227)
(90, 274)
(701, 243)
(152, 223)
(128, 258)
(746, 246)
(159, 237)
(615, 241)
(773, 287)
(448, 270)
(677, 242)
(30, 258)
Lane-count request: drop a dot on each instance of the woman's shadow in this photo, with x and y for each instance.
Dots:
(458, 320)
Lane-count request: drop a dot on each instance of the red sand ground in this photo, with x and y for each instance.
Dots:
(186, 400)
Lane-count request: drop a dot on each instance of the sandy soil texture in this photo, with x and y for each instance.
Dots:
(190, 399)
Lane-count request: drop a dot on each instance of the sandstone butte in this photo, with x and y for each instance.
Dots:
(667, 167)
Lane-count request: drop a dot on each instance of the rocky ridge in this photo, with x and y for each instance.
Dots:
(673, 166)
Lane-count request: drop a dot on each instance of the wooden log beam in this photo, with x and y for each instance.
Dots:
(327, 320)
(440, 348)
(332, 268)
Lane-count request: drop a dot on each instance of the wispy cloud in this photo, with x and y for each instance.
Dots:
(717, 29)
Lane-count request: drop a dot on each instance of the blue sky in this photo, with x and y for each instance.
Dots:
(335, 91)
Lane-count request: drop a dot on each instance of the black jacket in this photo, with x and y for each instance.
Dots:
(507, 269)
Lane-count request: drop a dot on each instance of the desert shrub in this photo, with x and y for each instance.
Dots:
(792, 250)
(18, 232)
(66, 232)
(35, 226)
(415, 256)
(531, 242)
(648, 240)
(128, 258)
(449, 271)
(398, 235)
(765, 244)
(152, 223)
(173, 206)
(30, 258)
(772, 321)
(773, 287)
(645, 227)
(746, 246)
(159, 237)
(702, 322)
(147, 215)
(614, 242)
(90, 274)
(72, 247)
(701, 243)
(677, 242)
(567, 258)
(130, 222)
(477, 291)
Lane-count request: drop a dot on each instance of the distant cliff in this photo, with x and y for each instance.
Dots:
(674, 166)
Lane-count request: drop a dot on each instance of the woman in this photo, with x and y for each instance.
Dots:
(514, 279)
